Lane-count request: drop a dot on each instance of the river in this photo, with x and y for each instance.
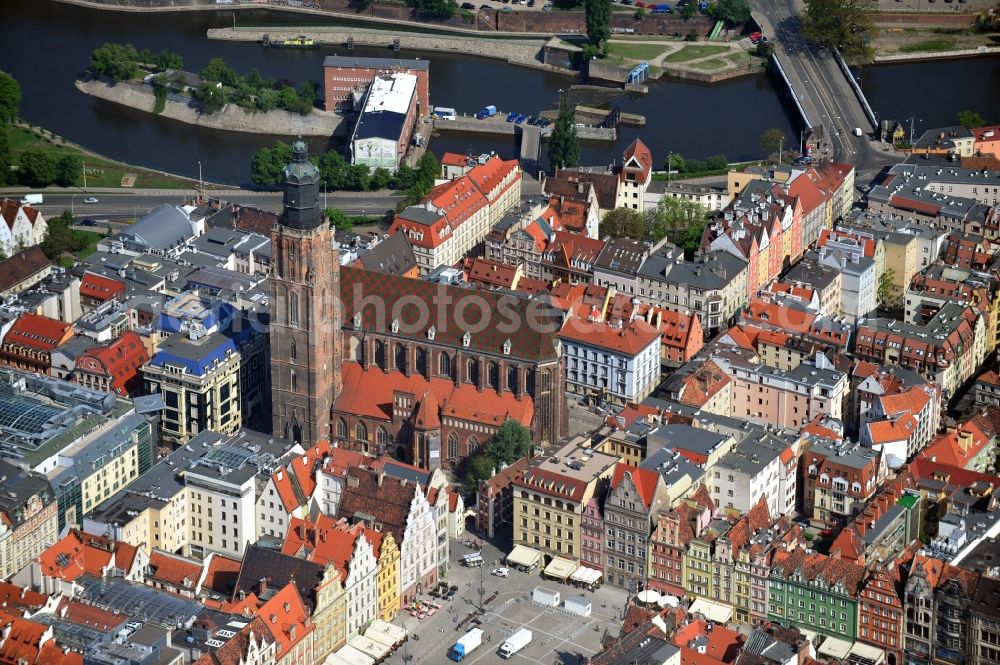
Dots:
(49, 44)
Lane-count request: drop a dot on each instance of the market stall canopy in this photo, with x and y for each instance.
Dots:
(385, 633)
(585, 575)
(560, 569)
(524, 556)
(716, 612)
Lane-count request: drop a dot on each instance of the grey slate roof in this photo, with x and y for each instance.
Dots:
(712, 272)
(162, 228)
(394, 255)
(375, 63)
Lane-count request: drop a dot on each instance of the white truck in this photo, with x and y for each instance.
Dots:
(32, 199)
(515, 643)
(466, 645)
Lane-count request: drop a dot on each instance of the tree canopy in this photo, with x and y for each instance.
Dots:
(970, 119)
(680, 221)
(267, 166)
(598, 17)
(37, 168)
(844, 25)
(733, 12)
(623, 223)
(511, 442)
(119, 62)
(772, 140)
(10, 97)
(564, 143)
(61, 237)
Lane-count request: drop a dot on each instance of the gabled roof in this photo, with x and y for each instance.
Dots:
(276, 570)
(82, 553)
(235, 650)
(221, 574)
(38, 332)
(23, 265)
(100, 287)
(525, 342)
(374, 497)
(645, 481)
(637, 157)
(287, 618)
(174, 570)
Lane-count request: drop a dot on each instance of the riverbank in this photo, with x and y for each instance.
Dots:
(230, 118)
(518, 51)
(922, 56)
(103, 174)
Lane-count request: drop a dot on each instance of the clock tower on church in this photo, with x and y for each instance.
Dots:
(306, 350)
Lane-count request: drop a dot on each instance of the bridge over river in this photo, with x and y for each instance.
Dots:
(823, 89)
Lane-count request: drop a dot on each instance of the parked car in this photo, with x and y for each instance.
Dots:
(88, 222)
(511, 116)
(548, 7)
(90, 199)
(520, 118)
(506, 10)
(755, 37)
(501, 572)
(468, 5)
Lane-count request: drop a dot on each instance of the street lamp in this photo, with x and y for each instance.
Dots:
(201, 186)
(482, 589)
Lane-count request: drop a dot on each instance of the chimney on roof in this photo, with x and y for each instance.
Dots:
(262, 586)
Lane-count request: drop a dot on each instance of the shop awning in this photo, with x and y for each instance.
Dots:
(649, 596)
(385, 633)
(834, 647)
(585, 575)
(866, 654)
(524, 556)
(368, 646)
(716, 612)
(353, 656)
(560, 569)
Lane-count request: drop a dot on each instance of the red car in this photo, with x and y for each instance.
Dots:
(755, 37)
(640, 5)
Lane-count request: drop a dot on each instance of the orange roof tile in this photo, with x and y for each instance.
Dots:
(645, 481)
(100, 287)
(285, 615)
(370, 393)
(629, 340)
(38, 332)
(173, 569)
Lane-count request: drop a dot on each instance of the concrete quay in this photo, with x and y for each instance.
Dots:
(498, 125)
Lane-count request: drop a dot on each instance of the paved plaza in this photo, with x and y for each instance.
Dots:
(558, 636)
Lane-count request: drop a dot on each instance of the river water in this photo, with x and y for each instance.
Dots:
(49, 44)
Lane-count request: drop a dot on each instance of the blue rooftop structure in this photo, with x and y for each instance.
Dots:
(196, 354)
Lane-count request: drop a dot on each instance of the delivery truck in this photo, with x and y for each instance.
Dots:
(32, 200)
(487, 112)
(515, 643)
(466, 645)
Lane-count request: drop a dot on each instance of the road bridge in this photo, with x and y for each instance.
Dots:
(823, 89)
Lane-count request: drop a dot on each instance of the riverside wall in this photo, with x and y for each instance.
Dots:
(230, 118)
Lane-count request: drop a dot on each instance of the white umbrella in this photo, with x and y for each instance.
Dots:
(649, 596)
(667, 601)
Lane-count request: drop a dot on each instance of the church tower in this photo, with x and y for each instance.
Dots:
(306, 354)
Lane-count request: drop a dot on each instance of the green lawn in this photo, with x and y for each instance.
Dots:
(693, 52)
(637, 51)
(935, 44)
(711, 63)
(100, 172)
